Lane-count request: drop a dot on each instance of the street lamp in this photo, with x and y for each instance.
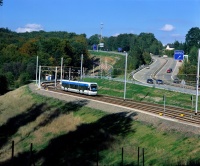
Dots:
(125, 76)
(101, 32)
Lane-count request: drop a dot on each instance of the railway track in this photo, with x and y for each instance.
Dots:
(174, 113)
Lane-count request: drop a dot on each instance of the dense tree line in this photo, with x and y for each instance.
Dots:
(188, 70)
(18, 51)
(138, 47)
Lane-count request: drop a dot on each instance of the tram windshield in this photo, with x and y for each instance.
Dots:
(93, 87)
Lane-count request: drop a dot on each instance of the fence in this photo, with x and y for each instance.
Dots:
(31, 161)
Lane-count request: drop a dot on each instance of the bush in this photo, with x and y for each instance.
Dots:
(24, 78)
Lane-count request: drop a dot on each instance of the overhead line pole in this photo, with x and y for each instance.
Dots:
(81, 66)
(61, 70)
(36, 71)
(197, 85)
(39, 86)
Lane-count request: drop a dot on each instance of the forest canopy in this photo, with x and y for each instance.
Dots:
(18, 51)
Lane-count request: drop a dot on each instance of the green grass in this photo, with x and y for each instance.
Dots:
(105, 54)
(88, 115)
(67, 130)
(142, 93)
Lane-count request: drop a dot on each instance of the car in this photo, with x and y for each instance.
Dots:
(176, 81)
(169, 70)
(159, 81)
(150, 81)
(147, 67)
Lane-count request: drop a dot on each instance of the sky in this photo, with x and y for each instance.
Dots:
(168, 20)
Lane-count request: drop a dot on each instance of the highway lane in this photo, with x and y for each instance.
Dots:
(163, 75)
(145, 73)
(159, 69)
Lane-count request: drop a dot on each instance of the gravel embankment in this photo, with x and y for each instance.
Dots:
(161, 123)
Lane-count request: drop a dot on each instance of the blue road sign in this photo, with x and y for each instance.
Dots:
(178, 54)
(94, 47)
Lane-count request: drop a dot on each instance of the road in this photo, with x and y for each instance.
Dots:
(158, 70)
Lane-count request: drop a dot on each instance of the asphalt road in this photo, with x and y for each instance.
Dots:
(158, 70)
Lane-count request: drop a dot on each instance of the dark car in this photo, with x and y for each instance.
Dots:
(169, 70)
(176, 80)
(159, 81)
(150, 81)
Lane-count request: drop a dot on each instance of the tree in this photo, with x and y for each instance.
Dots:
(193, 38)
(9, 53)
(94, 39)
(110, 43)
(1, 2)
(24, 78)
(30, 48)
(193, 55)
(10, 79)
(137, 57)
(146, 57)
(79, 45)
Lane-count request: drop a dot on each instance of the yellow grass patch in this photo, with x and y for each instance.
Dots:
(11, 104)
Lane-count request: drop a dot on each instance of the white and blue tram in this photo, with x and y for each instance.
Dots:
(87, 88)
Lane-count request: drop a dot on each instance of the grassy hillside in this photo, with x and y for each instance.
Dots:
(70, 133)
(143, 93)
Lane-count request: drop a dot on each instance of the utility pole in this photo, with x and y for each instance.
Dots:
(36, 70)
(81, 66)
(197, 85)
(39, 86)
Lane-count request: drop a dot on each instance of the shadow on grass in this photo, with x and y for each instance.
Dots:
(13, 124)
(79, 147)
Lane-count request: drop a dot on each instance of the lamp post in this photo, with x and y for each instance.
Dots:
(197, 85)
(125, 76)
(37, 70)
(101, 27)
(101, 32)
